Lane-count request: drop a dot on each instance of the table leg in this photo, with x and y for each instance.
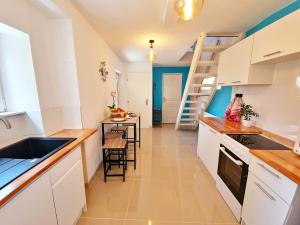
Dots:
(103, 135)
(139, 131)
(134, 144)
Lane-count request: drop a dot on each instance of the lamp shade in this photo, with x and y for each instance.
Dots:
(188, 9)
(151, 56)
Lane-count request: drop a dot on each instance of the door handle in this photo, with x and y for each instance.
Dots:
(164, 99)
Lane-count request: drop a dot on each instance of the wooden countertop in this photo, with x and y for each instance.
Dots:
(284, 161)
(229, 127)
(21, 182)
(131, 120)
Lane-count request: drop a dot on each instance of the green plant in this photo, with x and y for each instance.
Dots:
(247, 112)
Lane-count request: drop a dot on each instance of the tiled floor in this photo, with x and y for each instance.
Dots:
(169, 187)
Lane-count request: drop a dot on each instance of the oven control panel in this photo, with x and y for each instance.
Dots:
(236, 148)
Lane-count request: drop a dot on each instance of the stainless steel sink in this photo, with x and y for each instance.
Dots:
(21, 156)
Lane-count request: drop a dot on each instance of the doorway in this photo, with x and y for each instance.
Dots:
(138, 97)
(172, 88)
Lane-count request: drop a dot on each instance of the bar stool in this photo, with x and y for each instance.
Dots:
(120, 129)
(114, 147)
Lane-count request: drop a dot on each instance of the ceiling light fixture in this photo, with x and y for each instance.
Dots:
(188, 9)
(151, 55)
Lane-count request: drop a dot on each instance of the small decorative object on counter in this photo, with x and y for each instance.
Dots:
(103, 71)
(232, 111)
(297, 144)
(246, 112)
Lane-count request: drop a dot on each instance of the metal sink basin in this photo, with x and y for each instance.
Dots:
(21, 156)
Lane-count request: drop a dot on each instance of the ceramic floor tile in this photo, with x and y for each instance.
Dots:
(108, 200)
(99, 221)
(155, 200)
(170, 186)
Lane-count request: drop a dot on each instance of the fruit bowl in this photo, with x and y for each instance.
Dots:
(118, 113)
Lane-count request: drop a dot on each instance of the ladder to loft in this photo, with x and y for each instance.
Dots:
(201, 83)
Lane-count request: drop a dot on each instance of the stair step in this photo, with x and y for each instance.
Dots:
(223, 34)
(199, 94)
(191, 102)
(205, 75)
(202, 85)
(187, 119)
(188, 114)
(208, 63)
(190, 108)
(215, 48)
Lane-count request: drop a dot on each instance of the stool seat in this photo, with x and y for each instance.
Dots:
(112, 135)
(115, 143)
(119, 128)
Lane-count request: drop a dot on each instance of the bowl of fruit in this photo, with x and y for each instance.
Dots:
(117, 113)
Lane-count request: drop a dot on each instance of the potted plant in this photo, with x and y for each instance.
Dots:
(246, 112)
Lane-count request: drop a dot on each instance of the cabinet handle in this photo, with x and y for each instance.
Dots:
(236, 82)
(264, 191)
(221, 83)
(269, 171)
(273, 53)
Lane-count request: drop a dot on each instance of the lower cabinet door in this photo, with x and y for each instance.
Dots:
(208, 148)
(261, 205)
(69, 195)
(32, 206)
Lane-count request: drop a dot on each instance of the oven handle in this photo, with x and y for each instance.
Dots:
(237, 162)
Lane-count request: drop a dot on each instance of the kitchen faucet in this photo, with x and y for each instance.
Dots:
(6, 122)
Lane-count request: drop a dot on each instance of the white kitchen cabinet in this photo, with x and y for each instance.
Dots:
(32, 206)
(279, 41)
(261, 205)
(208, 147)
(235, 66)
(69, 193)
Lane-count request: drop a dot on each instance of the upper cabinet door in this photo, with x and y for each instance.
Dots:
(234, 63)
(279, 41)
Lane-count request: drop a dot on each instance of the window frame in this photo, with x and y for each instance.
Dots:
(3, 107)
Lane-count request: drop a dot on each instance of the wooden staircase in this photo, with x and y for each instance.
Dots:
(201, 82)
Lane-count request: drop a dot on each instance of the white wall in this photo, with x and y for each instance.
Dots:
(19, 84)
(277, 104)
(56, 71)
(51, 42)
(90, 50)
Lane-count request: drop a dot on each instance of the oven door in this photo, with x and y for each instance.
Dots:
(233, 172)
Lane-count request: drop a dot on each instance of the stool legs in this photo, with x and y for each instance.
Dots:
(108, 162)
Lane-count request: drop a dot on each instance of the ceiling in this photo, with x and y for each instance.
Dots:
(127, 25)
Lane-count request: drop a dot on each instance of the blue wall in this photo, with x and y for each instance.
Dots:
(222, 97)
(276, 16)
(157, 81)
(220, 101)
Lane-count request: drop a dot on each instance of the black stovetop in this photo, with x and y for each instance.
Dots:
(256, 141)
